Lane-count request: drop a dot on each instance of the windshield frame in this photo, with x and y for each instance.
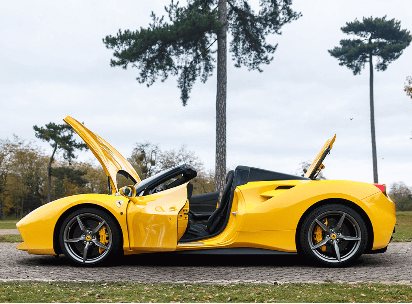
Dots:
(163, 176)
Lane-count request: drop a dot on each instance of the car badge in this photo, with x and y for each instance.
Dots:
(119, 203)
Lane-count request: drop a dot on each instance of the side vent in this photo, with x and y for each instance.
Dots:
(284, 187)
(277, 191)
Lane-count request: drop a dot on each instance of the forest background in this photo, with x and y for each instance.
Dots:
(23, 175)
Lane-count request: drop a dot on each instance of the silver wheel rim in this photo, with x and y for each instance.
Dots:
(341, 237)
(82, 238)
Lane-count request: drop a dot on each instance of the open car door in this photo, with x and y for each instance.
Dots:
(317, 165)
(158, 224)
(111, 160)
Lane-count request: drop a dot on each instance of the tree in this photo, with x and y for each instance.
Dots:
(60, 138)
(401, 194)
(95, 176)
(183, 48)
(172, 158)
(143, 159)
(26, 182)
(6, 149)
(408, 86)
(380, 39)
(66, 177)
(148, 159)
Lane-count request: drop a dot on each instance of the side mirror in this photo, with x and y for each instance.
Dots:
(128, 191)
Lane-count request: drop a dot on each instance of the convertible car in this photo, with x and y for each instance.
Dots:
(331, 222)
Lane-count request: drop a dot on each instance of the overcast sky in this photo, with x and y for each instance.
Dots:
(53, 63)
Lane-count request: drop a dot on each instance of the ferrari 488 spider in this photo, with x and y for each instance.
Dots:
(331, 222)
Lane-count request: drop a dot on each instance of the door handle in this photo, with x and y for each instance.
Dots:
(234, 213)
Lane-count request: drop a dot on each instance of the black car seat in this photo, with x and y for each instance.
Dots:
(218, 217)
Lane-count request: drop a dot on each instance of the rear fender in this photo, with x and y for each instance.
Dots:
(289, 206)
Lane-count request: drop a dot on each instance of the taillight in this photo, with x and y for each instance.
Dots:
(381, 187)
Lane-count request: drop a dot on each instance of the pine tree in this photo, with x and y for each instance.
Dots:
(380, 39)
(185, 47)
(60, 137)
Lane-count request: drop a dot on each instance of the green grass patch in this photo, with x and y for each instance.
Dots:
(28, 292)
(403, 227)
(10, 239)
(8, 224)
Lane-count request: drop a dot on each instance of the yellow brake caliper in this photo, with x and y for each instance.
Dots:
(103, 238)
(317, 235)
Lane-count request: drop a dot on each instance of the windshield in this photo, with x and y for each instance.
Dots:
(144, 183)
(165, 180)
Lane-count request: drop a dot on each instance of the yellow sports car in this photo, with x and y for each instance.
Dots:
(331, 222)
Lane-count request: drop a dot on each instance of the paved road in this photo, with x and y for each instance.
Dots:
(8, 231)
(394, 266)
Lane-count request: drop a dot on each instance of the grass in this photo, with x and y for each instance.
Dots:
(12, 238)
(29, 292)
(8, 224)
(403, 227)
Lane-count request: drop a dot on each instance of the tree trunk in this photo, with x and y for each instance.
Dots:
(49, 174)
(3, 186)
(374, 157)
(220, 167)
(1, 210)
(22, 204)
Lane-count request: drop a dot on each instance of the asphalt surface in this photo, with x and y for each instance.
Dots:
(394, 266)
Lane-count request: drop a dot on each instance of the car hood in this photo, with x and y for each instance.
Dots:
(317, 165)
(111, 160)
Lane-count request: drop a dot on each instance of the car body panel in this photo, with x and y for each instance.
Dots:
(289, 206)
(154, 226)
(255, 225)
(383, 218)
(111, 160)
(265, 213)
(38, 227)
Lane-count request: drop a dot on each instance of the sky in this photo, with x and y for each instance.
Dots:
(53, 63)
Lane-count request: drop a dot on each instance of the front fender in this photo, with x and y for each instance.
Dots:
(37, 228)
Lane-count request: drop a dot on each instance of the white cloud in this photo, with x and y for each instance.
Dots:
(54, 64)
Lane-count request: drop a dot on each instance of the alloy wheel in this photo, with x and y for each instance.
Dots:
(87, 238)
(334, 236)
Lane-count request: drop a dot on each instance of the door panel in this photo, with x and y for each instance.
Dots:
(154, 227)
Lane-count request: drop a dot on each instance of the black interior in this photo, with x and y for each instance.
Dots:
(203, 205)
(217, 221)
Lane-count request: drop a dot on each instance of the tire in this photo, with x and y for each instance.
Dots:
(333, 235)
(90, 236)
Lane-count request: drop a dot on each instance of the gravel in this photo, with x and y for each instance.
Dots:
(8, 231)
(394, 266)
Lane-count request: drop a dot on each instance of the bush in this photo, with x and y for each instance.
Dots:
(404, 204)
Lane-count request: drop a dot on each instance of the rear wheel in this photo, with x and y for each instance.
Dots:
(90, 236)
(333, 235)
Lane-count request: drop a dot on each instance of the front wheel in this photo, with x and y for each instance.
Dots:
(90, 236)
(333, 235)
